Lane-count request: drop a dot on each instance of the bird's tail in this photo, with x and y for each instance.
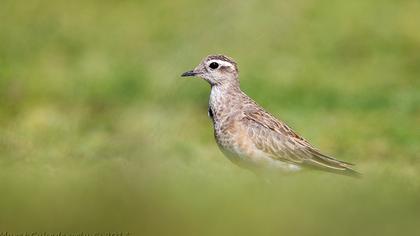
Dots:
(323, 162)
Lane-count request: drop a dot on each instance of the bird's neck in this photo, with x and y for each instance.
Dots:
(224, 94)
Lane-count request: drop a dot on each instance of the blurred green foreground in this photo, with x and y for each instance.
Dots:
(99, 133)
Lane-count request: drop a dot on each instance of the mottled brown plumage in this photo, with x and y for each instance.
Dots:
(247, 134)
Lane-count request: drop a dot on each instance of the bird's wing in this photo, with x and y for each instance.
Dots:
(280, 142)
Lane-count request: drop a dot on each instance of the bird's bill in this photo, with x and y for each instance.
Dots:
(189, 73)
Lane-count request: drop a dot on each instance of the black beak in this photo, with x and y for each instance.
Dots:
(189, 73)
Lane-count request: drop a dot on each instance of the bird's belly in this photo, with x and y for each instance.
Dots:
(240, 149)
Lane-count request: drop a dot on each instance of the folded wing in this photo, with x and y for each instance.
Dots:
(280, 142)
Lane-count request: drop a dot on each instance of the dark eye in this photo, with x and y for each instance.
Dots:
(214, 65)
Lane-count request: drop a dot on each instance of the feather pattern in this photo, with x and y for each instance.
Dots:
(281, 143)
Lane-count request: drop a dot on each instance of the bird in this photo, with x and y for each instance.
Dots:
(251, 137)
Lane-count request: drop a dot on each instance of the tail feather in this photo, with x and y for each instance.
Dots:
(322, 162)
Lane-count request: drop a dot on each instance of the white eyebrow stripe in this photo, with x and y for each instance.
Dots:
(220, 62)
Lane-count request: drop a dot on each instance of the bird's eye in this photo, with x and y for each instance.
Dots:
(214, 65)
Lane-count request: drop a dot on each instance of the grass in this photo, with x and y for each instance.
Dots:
(99, 133)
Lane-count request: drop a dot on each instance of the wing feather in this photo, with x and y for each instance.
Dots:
(280, 142)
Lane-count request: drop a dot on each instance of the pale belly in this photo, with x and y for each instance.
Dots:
(239, 148)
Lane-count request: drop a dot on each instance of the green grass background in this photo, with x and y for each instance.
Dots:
(99, 133)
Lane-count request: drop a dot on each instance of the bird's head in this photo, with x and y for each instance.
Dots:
(217, 70)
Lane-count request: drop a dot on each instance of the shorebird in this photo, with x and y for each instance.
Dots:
(250, 136)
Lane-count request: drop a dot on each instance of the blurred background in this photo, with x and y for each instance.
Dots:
(100, 134)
